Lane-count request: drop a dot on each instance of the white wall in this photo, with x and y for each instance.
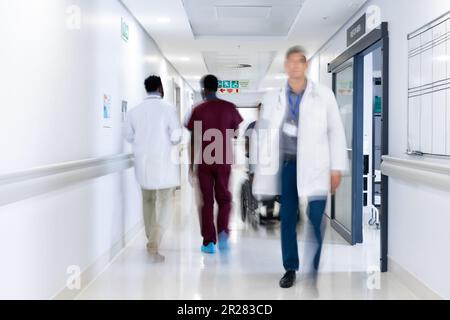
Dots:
(418, 216)
(52, 83)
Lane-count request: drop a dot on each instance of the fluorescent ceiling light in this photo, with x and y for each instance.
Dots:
(178, 59)
(442, 58)
(152, 59)
(163, 20)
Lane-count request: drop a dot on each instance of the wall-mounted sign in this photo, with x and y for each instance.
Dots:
(125, 29)
(356, 31)
(106, 111)
(228, 84)
(369, 21)
(244, 84)
(229, 91)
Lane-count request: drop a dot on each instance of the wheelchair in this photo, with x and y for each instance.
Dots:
(257, 211)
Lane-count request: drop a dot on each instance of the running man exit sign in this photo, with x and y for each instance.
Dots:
(228, 84)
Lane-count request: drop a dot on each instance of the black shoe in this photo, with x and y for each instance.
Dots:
(288, 280)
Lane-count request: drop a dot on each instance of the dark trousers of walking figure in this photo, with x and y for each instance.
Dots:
(289, 219)
(214, 185)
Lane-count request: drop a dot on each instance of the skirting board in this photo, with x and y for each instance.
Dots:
(413, 284)
(91, 273)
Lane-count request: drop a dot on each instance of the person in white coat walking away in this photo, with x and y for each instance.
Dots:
(154, 130)
(301, 153)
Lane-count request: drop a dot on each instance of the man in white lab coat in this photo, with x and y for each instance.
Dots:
(154, 130)
(301, 153)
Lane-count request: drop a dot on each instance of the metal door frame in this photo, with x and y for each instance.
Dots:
(377, 37)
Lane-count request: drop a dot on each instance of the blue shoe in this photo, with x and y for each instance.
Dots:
(224, 242)
(209, 249)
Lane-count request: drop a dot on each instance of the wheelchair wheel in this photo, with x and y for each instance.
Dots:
(244, 201)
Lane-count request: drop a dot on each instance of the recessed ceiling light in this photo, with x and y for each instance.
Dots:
(238, 66)
(185, 59)
(163, 20)
(442, 58)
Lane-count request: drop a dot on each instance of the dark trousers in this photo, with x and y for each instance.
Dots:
(214, 183)
(289, 218)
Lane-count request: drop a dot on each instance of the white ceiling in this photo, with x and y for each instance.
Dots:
(224, 64)
(208, 36)
(262, 18)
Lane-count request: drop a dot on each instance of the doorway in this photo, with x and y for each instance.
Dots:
(359, 209)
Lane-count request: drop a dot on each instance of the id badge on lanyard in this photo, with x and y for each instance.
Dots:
(290, 128)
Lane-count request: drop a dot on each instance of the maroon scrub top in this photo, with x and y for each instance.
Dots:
(216, 114)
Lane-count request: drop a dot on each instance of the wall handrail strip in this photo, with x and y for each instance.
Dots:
(48, 170)
(30, 183)
(423, 171)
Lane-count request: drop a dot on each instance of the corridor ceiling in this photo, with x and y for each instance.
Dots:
(220, 36)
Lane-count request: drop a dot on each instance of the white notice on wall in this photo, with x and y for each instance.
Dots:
(429, 88)
(107, 111)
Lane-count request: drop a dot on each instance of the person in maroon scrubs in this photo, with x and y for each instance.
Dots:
(215, 123)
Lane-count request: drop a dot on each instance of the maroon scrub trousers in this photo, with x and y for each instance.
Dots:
(214, 183)
(214, 178)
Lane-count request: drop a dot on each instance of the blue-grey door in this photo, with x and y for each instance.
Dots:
(347, 208)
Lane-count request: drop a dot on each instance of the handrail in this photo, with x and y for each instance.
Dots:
(29, 183)
(424, 171)
(59, 168)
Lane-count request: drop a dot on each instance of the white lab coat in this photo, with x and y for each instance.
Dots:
(154, 130)
(321, 142)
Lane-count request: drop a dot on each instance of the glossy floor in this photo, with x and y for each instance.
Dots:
(251, 270)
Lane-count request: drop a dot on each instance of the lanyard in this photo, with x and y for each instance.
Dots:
(294, 108)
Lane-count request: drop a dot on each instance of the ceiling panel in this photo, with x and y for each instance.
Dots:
(243, 12)
(224, 65)
(240, 31)
(268, 18)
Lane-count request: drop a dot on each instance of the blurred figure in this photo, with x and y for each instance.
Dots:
(214, 123)
(255, 206)
(312, 154)
(153, 129)
(248, 136)
(249, 203)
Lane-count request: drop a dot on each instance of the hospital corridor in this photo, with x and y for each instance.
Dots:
(247, 272)
(225, 150)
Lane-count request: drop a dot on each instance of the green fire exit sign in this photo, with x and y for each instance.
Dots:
(228, 84)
